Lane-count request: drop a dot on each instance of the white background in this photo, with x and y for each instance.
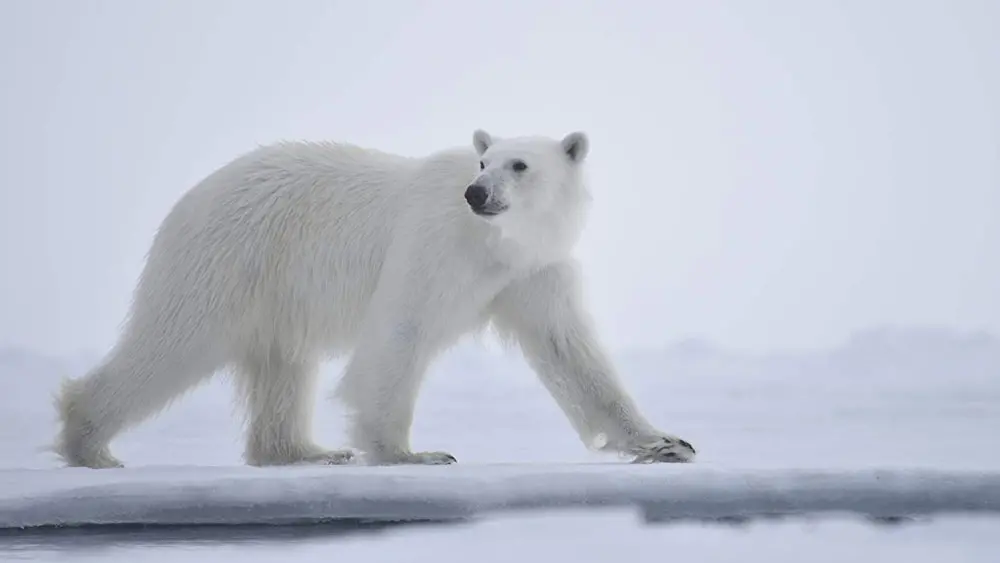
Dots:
(768, 175)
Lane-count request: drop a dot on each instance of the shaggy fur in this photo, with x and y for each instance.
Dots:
(299, 251)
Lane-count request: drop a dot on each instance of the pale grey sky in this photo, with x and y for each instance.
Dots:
(767, 175)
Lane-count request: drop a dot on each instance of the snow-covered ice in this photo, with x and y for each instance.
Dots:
(213, 495)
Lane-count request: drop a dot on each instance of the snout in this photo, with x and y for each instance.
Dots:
(481, 201)
(477, 196)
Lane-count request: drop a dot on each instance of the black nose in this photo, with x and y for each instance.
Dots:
(476, 196)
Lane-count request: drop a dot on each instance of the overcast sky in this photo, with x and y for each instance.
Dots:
(767, 175)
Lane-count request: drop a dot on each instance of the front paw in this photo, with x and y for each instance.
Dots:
(412, 458)
(662, 449)
(328, 457)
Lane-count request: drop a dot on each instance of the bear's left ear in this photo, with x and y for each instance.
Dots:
(481, 140)
(576, 146)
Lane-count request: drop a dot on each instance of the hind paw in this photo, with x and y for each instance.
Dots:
(97, 459)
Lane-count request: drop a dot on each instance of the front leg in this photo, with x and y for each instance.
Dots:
(544, 314)
(427, 297)
(380, 387)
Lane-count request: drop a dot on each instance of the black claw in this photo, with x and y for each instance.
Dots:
(688, 446)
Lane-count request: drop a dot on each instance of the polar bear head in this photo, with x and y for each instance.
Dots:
(531, 188)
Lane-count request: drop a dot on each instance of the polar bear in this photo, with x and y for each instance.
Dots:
(299, 251)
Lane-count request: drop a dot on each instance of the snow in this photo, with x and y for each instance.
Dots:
(894, 422)
(211, 495)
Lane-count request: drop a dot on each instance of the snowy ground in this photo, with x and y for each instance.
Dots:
(913, 400)
(187, 495)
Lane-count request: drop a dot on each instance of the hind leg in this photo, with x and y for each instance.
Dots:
(128, 387)
(280, 394)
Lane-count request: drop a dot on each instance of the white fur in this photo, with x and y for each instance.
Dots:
(299, 251)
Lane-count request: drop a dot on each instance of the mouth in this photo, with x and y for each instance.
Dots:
(489, 211)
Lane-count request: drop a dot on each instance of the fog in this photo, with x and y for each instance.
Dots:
(767, 175)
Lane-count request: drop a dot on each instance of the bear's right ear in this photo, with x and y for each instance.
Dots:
(481, 140)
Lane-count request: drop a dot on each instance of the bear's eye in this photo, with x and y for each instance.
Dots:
(482, 165)
(519, 166)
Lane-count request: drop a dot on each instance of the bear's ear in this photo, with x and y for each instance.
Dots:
(481, 140)
(576, 146)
